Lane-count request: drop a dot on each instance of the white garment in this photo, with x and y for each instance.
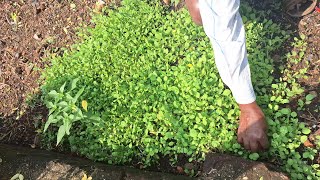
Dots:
(223, 25)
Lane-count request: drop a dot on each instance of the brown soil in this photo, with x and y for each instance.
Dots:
(40, 164)
(30, 30)
(310, 26)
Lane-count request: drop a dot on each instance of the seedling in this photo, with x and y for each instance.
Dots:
(309, 98)
(15, 21)
(63, 109)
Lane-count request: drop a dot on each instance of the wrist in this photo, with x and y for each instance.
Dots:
(251, 108)
(245, 107)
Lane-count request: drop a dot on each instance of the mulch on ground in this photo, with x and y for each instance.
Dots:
(310, 26)
(30, 30)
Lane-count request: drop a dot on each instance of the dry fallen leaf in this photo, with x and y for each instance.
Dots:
(84, 104)
(307, 143)
(84, 177)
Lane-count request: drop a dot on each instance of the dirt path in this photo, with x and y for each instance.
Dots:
(39, 164)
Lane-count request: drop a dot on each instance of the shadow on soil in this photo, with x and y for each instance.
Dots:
(40, 164)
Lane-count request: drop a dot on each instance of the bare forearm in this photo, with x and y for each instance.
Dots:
(193, 8)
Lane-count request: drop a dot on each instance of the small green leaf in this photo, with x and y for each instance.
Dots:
(226, 92)
(63, 104)
(160, 115)
(95, 118)
(309, 97)
(61, 133)
(62, 87)
(53, 94)
(303, 139)
(49, 105)
(193, 133)
(306, 131)
(67, 127)
(50, 120)
(290, 162)
(74, 84)
(294, 114)
(78, 95)
(283, 130)
(285, 111)
(254, 156)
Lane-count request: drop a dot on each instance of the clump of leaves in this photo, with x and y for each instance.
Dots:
(150, 75)
(63, 109)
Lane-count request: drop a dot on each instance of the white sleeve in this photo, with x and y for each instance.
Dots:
(223, 25)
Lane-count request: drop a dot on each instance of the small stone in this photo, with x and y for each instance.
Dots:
(72, 6)
(245, 178)
(167, 2)
(17, 55)
(36, 37)
(180, 170)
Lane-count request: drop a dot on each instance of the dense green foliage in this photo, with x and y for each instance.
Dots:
(150, 77)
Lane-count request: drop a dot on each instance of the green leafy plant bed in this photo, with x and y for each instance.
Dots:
(146, 85)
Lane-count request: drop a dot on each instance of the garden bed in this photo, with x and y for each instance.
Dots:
(32, 32)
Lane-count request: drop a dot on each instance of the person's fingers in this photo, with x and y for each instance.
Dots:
(240, 133)
(264, 142)
(240, 136)
(246, 144)
(254, 146)
(240, 139)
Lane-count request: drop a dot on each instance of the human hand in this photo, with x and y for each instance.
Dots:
(252, 131)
